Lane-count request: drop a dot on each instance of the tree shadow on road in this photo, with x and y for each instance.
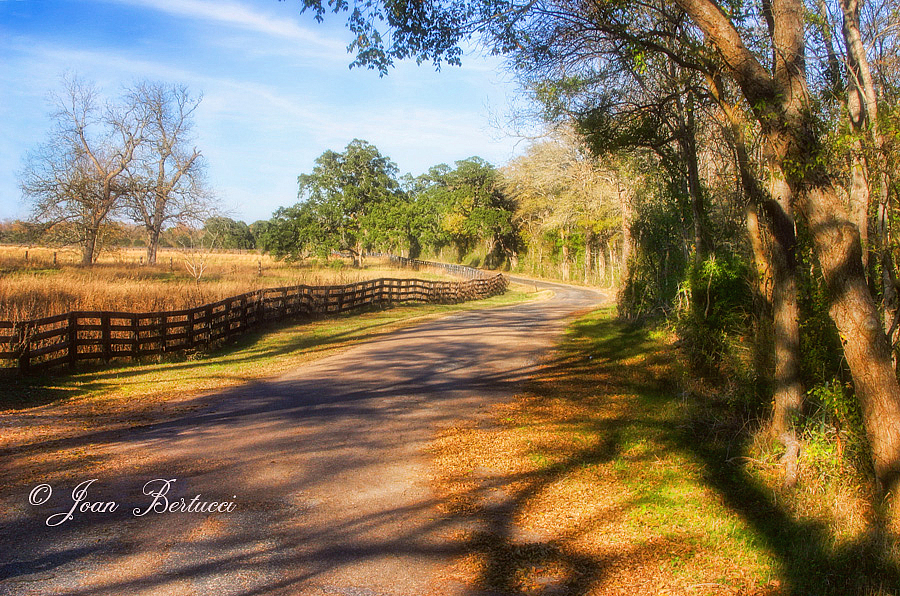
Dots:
(309, 335)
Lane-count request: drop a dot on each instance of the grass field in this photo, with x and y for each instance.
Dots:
(36, 287)
(605, 477)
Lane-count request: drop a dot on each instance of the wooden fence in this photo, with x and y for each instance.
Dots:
(66, 339)
(451, 268)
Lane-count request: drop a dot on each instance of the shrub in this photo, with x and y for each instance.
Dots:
(716, 307)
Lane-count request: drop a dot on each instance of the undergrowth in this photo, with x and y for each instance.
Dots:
(619, 472)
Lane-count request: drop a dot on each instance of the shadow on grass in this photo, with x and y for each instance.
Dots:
(20, 392)
(602, 357)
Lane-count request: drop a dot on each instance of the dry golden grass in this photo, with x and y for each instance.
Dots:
(35, 287)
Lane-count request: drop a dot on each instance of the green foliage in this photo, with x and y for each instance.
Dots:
(223, 232)
(822, 366)
(352, 202)
(836, 403)
(835, 446)
(462, 207)
(258, 229)
(293, 234)
(719, 287)
(719, 307)
(355, 203)
(658, 261)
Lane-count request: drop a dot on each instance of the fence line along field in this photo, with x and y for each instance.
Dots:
(49, 281)
(103, 335)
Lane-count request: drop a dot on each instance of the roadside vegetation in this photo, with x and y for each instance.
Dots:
(614, 472)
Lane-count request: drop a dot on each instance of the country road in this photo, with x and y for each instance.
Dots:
(319, 478)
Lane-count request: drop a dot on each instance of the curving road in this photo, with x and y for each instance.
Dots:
(326, 469)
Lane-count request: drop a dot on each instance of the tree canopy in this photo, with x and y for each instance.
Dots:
(347, 205)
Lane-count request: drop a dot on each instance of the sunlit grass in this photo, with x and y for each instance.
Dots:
(36, 287)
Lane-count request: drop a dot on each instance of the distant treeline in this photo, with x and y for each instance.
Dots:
(556, 211)
(216, 232)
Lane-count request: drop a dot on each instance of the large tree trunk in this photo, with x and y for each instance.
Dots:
(152, 245)
(780, 102)
(854, 312)
(88, 247)
(869, 179)
(858, 106)
(782, 267)
(763, 294)
(788, 398)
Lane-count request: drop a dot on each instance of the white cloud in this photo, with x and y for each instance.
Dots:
(237, 15)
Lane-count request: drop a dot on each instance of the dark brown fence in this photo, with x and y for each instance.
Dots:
(77, 336)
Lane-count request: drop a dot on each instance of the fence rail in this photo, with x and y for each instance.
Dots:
(452, 268)
(67, 339)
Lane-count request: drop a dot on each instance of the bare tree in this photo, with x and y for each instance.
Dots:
(77, 177)
(167, 175)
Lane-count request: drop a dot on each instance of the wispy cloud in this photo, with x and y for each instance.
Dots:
(239, 16)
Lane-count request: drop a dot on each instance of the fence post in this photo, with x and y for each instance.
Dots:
(162, 332)
(209, 316)
(135, 336)
(24, 347)
(261, 302)
(106, 337)
(72, 338)
(190, 328)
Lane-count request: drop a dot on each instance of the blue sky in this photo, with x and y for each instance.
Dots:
(277, 90)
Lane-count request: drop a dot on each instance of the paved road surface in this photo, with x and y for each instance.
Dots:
(325, 466)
